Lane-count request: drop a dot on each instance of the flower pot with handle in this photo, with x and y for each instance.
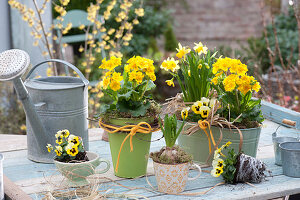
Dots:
(172, 179)
(77, 173)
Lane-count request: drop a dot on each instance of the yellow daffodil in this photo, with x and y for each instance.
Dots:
(182, 51)
(185, 113)
(49, 147)
(170, 64)
(199, 48)
(196, 107)
(204, 101)
(170, 82)
(216, 172)
(200, 66)
(204, 111)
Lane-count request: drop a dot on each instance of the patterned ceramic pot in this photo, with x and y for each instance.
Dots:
(171, 179)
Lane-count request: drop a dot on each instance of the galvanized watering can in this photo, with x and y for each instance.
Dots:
(50, 103)
(279, 140)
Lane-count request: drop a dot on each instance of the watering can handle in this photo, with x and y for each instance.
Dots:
(84, 80)
(289, 122)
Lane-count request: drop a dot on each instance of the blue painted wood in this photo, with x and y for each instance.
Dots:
(277, 113)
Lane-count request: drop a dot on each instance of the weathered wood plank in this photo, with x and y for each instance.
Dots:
(277, 113)
(13, 192)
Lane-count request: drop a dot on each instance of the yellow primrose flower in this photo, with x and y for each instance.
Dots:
(170, 82)
(185, 113)
(204, 111)
(49, 147)
(215, 80)
(115, 85)
(199, 48)
(204, 101)
(170, 64)
(117, 76)
(182, 51)
(216, 172)
(196, 107)
(256, 86)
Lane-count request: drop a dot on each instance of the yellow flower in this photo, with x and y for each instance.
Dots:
(65, 133)
(72, 149)
(230, 86)
(74, 140)
(196, 107)
(137, 76)
(58, 150)
(227, 144)
(204, 101)
(244, 88)
(215, 80)
(49, 147)
(256, 86)
(200, 66)
(135, 21)
(170, 64)
(204, 111)
(185, 112)
(139, 11)
(182, 51)
(218, 163)
(216, 172)
(117, 76)
(110, 64)
(81, 27)
(59, 140)
(115, 85)
(199, 48)
(212, 102)
(170, 82)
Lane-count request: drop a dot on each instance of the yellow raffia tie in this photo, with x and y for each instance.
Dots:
(203, 124)
(132, 129)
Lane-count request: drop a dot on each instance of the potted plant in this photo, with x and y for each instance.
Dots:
(236, 117)
(73, 161)
(131, 117)
(171, 163)
(237, 168)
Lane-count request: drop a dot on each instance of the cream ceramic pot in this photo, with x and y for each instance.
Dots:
(171, 179)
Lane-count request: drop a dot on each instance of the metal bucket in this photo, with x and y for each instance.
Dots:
(290, 155)
(1, 178)
(61, 103)
(276, 142)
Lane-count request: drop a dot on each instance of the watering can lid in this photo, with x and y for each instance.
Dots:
(13, 63)
(54, 83)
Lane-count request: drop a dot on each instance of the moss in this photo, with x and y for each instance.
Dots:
(178, 156)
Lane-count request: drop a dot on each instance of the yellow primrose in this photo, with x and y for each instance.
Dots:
(204, 101)
(117, 76)
(170, 82)
(49, 147)
(256, 86)
(185, 113)
(196, 107)
(216, 172)
(204, 111)
(182, 51)
(170, 64)
(115, 85)
(199, 48)
(214, 80)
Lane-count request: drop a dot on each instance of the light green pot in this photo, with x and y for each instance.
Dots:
(77, 173)
(197, 143)
(131, 164)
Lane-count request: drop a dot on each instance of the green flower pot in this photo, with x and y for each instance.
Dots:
(197, 143)
(131, 164)
(76, 173)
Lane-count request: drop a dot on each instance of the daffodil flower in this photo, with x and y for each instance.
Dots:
(204, 111)
(196, 107)
(185, 112)
(199, 48)
(182, 51)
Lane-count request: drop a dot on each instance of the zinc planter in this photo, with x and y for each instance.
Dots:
(171, 179)
(76, 173)
(132, 164)
(197, 144)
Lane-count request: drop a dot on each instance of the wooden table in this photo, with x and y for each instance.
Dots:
(32, 177)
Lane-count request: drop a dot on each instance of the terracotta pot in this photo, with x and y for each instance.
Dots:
(171, 179)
